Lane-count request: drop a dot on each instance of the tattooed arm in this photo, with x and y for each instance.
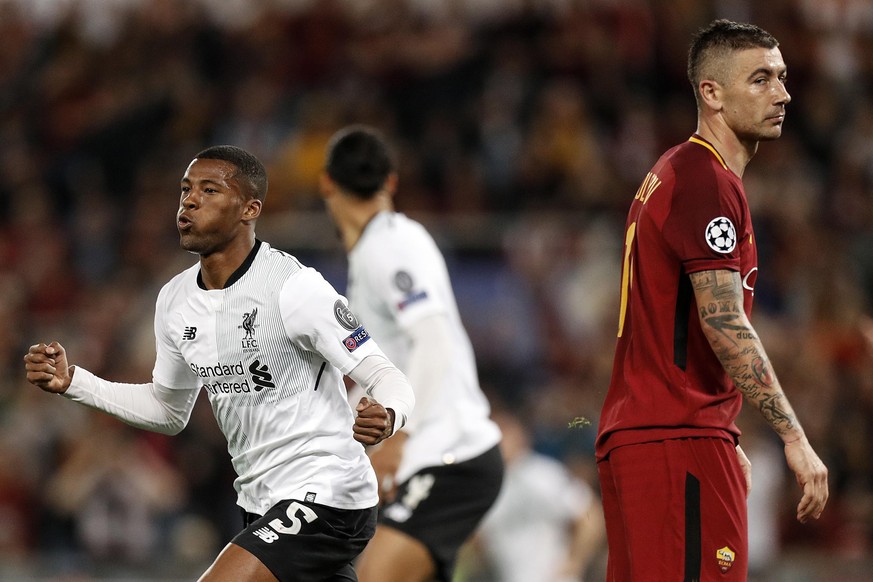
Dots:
(719, 296)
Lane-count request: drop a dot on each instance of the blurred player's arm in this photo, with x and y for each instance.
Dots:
(429, 361)
(430, 346)
(588, 530)
(146, 406)
(719, 295)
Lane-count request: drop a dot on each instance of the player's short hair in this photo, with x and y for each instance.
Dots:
(712, 43)
(249, 167)
(359, 160)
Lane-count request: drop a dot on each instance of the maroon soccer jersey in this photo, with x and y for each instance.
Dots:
(689, 215)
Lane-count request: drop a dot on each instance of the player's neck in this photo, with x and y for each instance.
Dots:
(735, 152)
(217, 267)
(358, 215)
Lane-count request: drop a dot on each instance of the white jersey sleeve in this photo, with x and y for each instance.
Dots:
(163, 406)
(318, 318)
(380, 379)
(429, 364)
(321, 321)
(408, 281)
(146, 406)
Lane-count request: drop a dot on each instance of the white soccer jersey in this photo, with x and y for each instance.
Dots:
(527, 532)
(270, 350)
(397, 277)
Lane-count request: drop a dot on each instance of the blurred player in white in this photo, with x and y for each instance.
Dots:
(547, 524)
(443, 471)
(269, 340)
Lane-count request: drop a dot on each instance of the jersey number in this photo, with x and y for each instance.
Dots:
(627, 264)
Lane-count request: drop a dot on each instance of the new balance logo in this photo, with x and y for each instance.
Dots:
(266, 534)
(190, 333)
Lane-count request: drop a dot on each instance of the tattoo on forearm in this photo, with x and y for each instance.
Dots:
(762, 371)
(773, 407)
(738, 347)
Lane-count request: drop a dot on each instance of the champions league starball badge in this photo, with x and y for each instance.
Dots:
(721, 236)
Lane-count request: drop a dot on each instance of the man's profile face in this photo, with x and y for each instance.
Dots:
(754, 94)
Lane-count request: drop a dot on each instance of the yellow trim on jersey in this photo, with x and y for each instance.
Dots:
(708, 146)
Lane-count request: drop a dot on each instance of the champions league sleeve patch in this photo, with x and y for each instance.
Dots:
(403, 281)
(358, 337)
(347, 319)
(721, 236)
(344, 316)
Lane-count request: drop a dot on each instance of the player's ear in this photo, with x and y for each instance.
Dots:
(391, 184)
(252, 209)
(326, 185)
(710, 94)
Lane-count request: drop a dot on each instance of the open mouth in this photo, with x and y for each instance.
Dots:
(184, 222)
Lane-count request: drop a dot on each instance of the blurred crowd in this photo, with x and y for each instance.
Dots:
(523, 128)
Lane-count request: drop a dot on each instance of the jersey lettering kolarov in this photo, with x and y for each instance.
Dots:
(689, 215)
(270, 351)
(397, 277)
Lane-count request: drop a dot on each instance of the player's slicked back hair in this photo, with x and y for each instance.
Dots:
(251, 172)
(359, 160)
(715, 41)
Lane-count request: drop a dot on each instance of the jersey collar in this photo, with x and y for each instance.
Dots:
(700, 141)
(240, 271)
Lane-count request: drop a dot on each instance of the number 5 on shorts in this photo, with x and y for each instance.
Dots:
(293, 509)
